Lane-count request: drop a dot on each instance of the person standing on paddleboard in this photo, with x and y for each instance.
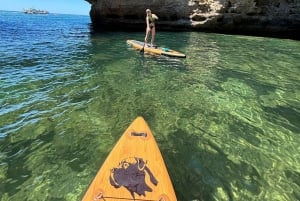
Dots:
(150, 21)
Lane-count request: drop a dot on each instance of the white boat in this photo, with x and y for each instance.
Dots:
(35, 11)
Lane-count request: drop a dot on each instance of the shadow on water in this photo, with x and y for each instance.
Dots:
(201, 170)
(290, 114)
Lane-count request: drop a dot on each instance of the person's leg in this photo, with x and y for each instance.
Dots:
(153, 36)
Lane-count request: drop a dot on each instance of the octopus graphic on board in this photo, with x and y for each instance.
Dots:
(131, 173)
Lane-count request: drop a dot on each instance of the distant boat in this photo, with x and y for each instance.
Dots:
(35, 11)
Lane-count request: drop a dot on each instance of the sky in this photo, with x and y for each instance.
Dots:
(79, 7)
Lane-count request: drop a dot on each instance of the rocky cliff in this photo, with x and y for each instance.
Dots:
(258, 17)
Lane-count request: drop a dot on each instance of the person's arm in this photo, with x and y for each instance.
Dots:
(155, 16)
(147, 22)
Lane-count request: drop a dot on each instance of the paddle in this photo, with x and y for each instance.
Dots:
(147, 34)
(155, 46)
(142, 50)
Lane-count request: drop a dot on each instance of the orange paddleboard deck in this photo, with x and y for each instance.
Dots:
(134, 169)
(154, 50)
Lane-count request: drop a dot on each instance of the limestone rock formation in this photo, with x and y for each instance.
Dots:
(259, 17)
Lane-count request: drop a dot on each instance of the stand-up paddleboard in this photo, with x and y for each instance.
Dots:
(155, 49)
(134, 170)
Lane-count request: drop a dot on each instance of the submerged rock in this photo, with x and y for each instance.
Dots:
(256, 17)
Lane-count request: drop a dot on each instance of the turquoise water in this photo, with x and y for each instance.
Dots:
(226, 118)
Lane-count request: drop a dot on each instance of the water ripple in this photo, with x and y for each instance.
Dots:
(225, 118)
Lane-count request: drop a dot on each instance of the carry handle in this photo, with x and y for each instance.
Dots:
(139, 134)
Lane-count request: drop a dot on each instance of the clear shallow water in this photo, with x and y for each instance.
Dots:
(226, 118)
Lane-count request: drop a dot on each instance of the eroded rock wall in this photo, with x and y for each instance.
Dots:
(268, 17)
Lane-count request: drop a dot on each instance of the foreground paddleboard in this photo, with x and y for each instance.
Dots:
(134, 170)
(155, 50)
